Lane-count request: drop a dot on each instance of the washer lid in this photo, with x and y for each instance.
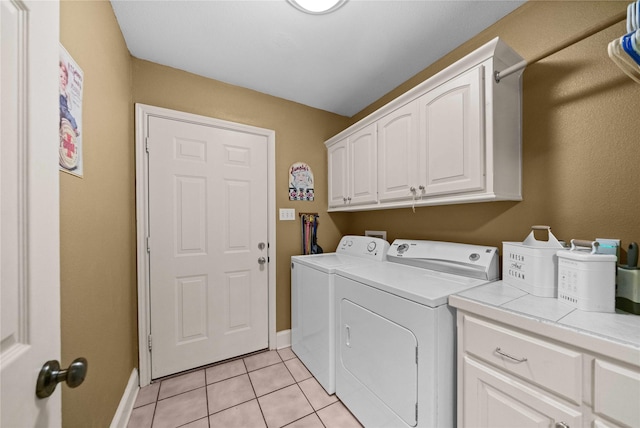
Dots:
(474, 261)
(427, 287)
(329, 262)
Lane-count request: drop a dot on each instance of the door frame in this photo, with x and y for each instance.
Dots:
(143, 112)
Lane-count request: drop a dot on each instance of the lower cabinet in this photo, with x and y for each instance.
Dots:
(494, 399)
(509, 377)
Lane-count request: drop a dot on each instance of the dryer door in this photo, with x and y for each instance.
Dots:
(380, 355)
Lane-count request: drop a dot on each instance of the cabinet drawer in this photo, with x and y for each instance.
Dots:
(547, 365)
(494, 399)
(617, 393)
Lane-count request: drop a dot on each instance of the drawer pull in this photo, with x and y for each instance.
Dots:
(511, 357)
(561, 425)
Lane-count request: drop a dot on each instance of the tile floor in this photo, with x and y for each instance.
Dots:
(269, 389)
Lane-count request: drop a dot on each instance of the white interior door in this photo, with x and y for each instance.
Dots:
(29, 202)
(208, 244)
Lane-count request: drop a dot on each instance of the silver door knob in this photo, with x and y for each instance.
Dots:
(50, 375)
(262, 261)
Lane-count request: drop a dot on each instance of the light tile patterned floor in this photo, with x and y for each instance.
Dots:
(271, 389)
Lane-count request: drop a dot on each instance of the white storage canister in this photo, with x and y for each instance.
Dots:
(532, 265)
(587, 280)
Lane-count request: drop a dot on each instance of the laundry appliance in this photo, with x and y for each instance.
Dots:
(395, 332)
(312, 300)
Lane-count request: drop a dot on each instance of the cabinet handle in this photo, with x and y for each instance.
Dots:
(511, 357)
(412, 189)
(344, 200)
(561, 425)
(421, 188)
(349, 199)
(348, 338)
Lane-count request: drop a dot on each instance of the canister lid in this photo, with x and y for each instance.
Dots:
(586, 256)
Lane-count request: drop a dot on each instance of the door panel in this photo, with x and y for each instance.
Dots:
(397, 146)
(363, 177)
(207, 214)
(29, 202)
(452, 135)
(337, 179)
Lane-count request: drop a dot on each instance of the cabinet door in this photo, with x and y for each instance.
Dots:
(363, 173)
(398, 153)
(494, 399)
(337, 173)
(452, 135)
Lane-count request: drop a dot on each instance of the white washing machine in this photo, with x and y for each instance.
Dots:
(395, 332)
(312, 300)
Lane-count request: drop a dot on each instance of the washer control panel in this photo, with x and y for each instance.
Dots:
(364, 246)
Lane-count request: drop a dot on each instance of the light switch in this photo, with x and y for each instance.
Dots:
(287, 214)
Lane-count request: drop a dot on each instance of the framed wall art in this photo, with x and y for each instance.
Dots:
(300, 182)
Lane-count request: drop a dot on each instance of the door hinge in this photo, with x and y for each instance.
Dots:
(148, 244)
(149, 342)
(146, 144)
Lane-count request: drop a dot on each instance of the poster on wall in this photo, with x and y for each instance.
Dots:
(300, 182)
(71, 81)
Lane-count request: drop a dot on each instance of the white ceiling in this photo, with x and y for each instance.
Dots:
(340, 62)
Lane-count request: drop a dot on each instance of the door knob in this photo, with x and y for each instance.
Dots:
(50, 375)
(262, 260)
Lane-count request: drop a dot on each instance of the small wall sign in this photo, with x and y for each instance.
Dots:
(300, 182)
(71, 80)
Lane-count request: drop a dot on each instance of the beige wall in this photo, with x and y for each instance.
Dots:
(580, 139)
(580, 142)
(300, 133)
(97, 221)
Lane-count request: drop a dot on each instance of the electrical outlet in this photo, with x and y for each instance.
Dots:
(287, 214)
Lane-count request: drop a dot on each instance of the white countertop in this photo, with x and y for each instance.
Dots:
(504, 301)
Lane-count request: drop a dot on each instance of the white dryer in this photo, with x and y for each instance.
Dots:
(395, 332)
(312, 300)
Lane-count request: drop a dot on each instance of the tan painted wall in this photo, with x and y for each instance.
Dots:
(580, 158)
(300, 132)
(97, 221)
(581, 151)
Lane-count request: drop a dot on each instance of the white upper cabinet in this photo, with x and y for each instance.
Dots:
(337, 174)
(452, 137)
(398, 153)
(352, 175)
(455, 138)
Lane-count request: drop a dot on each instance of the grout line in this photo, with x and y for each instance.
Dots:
(254, 393)
(206, 397)
(296, 382)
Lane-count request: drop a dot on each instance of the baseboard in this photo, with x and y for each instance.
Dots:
(283, 339)
(123, 413)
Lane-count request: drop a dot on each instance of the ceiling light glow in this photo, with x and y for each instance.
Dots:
(317, 7)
